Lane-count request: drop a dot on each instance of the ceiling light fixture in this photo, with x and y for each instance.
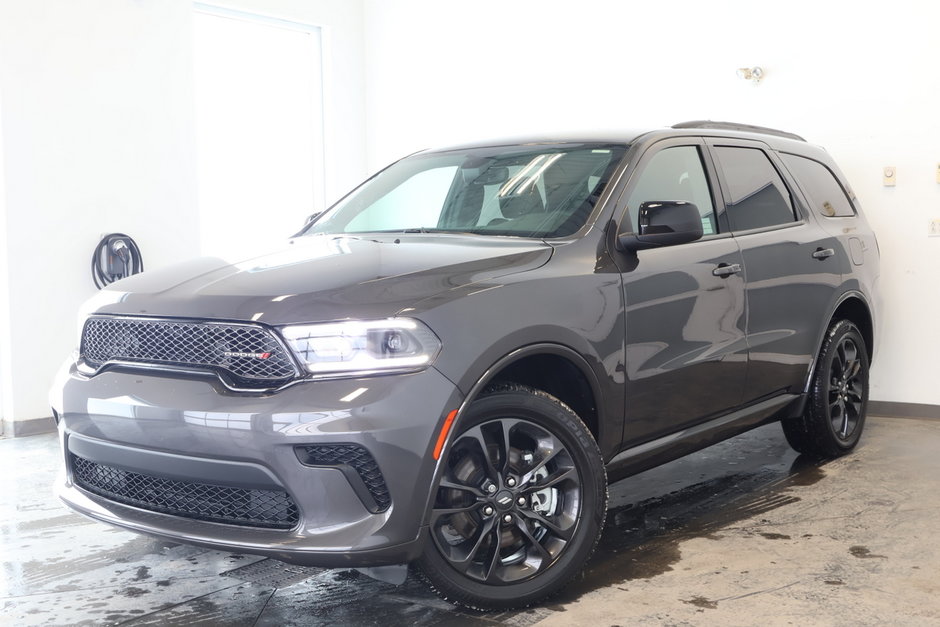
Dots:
(754, 74)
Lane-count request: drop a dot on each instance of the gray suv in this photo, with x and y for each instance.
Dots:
(448, 366)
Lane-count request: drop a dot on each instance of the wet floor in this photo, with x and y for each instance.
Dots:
(750, 507)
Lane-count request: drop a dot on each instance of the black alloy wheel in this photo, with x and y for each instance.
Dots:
(520, 503)
(846, 389)
(835, 412)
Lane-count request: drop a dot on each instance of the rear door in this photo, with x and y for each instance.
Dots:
(791, 269)
(686, 351)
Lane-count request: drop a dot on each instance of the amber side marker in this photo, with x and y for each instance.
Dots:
(444, 431)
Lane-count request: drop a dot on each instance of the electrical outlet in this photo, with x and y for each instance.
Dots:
(933, 228)
(890, 174)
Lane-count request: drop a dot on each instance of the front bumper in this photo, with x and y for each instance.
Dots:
(180, 428)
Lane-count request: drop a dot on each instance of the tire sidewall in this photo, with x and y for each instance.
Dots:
(549, 413)
(821, 385)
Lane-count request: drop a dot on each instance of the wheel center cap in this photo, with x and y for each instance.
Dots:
(503, 500)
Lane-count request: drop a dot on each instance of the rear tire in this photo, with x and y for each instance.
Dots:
(832, 422)
(520, 505)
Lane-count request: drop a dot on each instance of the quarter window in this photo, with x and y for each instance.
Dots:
(674, 174)
(758, 196)
(825, 193)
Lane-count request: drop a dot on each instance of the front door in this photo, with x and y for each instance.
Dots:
(686, 350)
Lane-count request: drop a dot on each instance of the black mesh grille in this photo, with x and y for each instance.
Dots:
(355, 456)
(272, 509)
(251, 355)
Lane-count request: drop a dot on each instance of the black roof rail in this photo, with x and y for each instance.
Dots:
(734, 126)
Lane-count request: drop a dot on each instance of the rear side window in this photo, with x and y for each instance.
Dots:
(825, 192)
(758, 196)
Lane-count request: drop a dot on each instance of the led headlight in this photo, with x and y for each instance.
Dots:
(363, 346)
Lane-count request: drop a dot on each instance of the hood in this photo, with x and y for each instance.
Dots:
(324, 277)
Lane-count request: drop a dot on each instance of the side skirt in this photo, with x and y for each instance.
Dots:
(679, 444)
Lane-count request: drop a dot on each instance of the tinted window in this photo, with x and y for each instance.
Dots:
(758, 196)
(825, 193)
(674, 174)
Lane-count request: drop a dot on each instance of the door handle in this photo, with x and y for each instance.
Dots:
(725, 270)
(823, 253)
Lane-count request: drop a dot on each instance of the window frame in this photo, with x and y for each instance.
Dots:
(638, 169)
(796, 196)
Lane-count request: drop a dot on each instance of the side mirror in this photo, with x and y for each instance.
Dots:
(664, 223)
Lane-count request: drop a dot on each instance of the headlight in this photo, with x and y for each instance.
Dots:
(363, 347)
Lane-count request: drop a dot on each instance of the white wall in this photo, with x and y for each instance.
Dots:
(859, 81)
(4, 291)
(97, 135)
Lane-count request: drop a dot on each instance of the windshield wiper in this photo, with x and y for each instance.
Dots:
(422, 229)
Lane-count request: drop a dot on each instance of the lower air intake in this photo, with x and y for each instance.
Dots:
(270, 509)
(357, 464)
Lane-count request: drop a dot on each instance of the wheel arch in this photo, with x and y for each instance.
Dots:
(851, 306)
(514, 363)
(556, 370)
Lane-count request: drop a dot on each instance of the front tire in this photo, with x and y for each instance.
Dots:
(520, 504)
(835, 412)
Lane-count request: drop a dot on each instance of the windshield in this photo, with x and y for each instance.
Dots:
(526, 191)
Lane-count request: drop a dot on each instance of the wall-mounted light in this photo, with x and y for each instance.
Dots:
(754, 74)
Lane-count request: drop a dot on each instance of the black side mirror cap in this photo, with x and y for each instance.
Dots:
(664, 223)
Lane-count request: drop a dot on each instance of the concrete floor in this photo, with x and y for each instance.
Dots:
(743, 533)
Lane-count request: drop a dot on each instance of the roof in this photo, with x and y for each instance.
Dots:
(565, 137)
(705, 128)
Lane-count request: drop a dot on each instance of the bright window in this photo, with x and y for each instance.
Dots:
(259, 127)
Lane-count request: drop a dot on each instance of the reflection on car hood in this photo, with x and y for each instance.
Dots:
(326, 277)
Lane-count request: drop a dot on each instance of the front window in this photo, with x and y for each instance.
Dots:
(675, 173)
(525, 191)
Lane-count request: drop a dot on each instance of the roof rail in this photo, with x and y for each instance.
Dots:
(733, 126)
